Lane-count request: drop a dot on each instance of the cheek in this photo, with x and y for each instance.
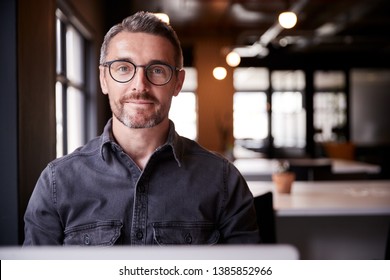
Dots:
(115, 90)
(165, 96)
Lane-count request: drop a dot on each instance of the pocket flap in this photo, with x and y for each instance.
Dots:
(185, 233)
(101, 233)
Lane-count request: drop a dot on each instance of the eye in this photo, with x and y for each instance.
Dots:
(157, 70)
(121, 67)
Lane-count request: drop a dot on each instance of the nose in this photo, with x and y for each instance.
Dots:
(140, 82)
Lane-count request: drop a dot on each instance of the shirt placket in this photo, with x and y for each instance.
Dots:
(139, 214)
(138, 229)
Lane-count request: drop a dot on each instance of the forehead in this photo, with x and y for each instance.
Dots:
(140, 47)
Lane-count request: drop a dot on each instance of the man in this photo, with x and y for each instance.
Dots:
(140, 183)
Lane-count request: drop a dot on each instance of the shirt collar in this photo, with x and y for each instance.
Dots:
(174, 141)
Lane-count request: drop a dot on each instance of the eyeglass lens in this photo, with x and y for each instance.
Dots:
(124, 71)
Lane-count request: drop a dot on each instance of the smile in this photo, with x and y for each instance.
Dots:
(139, 102)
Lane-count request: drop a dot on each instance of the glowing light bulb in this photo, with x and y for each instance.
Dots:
(233, 59)
(287, 19)
(219, 73)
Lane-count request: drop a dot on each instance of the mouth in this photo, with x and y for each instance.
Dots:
(138, 103)
(139, 100)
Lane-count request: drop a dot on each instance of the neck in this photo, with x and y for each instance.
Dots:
(140, 143)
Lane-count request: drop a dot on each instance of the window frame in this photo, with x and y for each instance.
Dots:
(65, 19)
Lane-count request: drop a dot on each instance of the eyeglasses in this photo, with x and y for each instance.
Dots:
(123, 71)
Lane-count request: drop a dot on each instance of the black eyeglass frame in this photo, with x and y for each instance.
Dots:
(173, 68)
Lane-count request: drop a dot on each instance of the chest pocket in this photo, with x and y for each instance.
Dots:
(101, 233)
(185, 233)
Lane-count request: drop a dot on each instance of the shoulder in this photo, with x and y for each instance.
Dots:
(191, 147)
(191, 150)
(91, 149)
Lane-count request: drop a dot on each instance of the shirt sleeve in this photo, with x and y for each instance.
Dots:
(42, 222)
(238, 223)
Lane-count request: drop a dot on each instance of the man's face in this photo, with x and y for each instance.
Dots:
(138, 103)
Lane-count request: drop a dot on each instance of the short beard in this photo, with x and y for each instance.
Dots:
(138, 120)
(144, 122)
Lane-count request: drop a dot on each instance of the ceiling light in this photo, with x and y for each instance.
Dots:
(287, 19)
(233, 59)
(251, 51)
(327, 29)
(219, 73)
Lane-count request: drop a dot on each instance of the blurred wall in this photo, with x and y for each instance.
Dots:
(215, 97)
(8, 126)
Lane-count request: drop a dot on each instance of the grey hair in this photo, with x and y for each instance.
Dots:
(147, 23)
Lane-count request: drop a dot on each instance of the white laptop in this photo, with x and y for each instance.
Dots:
(217, 252)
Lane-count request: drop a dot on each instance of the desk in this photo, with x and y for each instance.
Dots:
(329, 198)
(261, 168)
(349, 166)
(332, 220)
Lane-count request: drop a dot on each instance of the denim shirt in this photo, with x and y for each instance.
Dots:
(97, 195)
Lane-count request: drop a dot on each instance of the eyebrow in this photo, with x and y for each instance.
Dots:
(154, 61)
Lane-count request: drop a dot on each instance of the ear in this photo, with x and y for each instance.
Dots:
(179, 82)
(102, 77)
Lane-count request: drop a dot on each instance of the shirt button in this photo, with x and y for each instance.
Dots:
(87, 240)
(139, 235)
(188, 238)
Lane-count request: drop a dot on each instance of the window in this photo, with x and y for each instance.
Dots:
(370, 99)
(184, 111)
(288, 119)
(250, 116)
(257, 90)
(72, 100)
(250, 119)
(330, 106)
(288, 112)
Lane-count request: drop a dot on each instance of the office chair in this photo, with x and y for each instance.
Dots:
(266, 218)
